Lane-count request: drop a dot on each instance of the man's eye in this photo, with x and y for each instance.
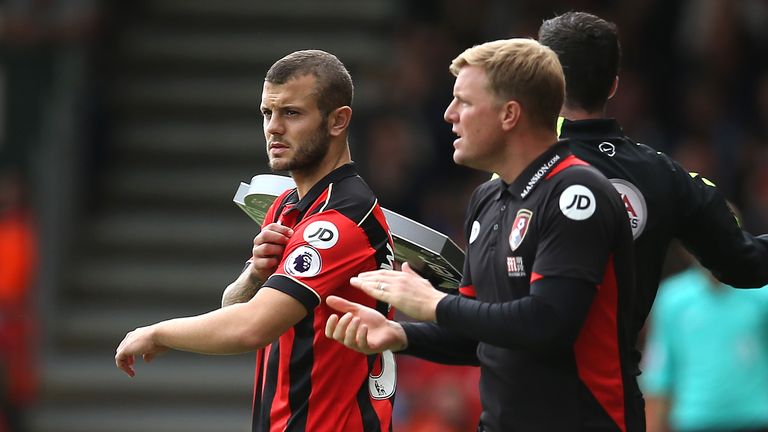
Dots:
(292, 113)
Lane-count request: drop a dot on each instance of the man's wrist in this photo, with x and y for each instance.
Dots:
(431, 311)
(155, 333)
(402, 337)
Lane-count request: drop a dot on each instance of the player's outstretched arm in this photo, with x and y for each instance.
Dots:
(363, 329)
(231, 330)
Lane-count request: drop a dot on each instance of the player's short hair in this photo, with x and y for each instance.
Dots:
(589, 50)
(334, 87)
(521, 70)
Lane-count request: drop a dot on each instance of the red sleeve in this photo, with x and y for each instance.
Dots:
(326, 250)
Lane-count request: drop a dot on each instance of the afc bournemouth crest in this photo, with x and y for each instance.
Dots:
(519, 228)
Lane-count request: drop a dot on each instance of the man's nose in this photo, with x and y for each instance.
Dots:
(273, 125)
(450, 113)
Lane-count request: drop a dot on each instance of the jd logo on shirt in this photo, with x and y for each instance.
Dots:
(577, 202)
(321, 234)
(582, 202)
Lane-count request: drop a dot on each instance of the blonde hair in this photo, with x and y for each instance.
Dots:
(521, 70)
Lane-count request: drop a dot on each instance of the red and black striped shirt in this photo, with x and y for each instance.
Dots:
(305, 381)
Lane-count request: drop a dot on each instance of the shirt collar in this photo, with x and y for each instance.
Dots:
(591, 129)
(536, 171)
(346, 170)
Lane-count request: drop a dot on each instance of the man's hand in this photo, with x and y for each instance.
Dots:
(137, 342)
(363, 329)
(268, 248)
(408, 292)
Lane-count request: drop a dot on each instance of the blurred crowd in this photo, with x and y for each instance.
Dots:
(694, 84)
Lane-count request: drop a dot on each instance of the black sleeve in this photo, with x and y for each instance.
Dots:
(710, 231)
(431, 342)
(551, 316)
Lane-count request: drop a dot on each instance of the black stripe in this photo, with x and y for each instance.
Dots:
(302, 358)
(270, 387)
(370, 418)
(379, 239)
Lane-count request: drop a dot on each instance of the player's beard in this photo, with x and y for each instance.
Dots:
(308, 154)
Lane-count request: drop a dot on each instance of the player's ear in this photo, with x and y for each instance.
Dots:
(614, 87)
(338, 120)
(510, 114)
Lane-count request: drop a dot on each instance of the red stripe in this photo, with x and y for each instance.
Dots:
(262, 362)
(567, 162)
(535, 276)
(597, 349)
(468, 291)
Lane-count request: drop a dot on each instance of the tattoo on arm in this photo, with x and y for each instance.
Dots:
(241, 290)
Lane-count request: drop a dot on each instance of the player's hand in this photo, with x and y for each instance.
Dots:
(408, 292)
(268, 248)
(363, 329)
(138, 342)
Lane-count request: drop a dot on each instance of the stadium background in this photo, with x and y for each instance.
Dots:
(126, 127)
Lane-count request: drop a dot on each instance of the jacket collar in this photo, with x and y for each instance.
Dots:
(591, 129)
